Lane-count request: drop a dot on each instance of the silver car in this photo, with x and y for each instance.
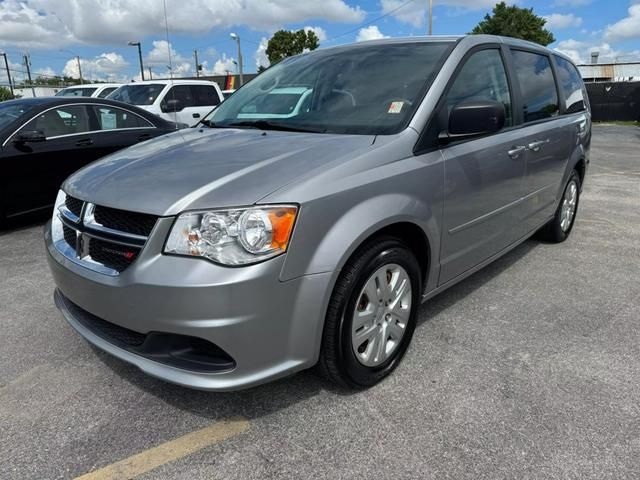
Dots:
(246, 249)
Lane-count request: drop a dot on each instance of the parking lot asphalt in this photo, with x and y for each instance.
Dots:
(528, 369)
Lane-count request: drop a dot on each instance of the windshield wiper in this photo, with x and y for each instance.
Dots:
(208, 123)
(266, 125)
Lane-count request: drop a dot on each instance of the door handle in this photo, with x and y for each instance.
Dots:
(516, 151)
(144, 136)
(85, 142)
(196, 115)
(537, 145)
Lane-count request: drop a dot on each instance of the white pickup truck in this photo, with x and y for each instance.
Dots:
(181, 101)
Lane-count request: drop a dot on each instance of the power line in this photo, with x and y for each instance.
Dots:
(366, 24)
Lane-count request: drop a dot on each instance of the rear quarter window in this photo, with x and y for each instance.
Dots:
(571, 85)
(537, 85)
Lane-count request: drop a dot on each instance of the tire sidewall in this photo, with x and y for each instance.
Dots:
(390, 252)
(561, 234)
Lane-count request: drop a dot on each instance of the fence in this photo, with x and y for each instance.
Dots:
(614, 101)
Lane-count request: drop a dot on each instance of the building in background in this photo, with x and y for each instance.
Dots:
(27, 92)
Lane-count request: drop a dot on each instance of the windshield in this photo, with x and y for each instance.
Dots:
(10, 111)
(76, 92)
(367, 89)
(137, 94)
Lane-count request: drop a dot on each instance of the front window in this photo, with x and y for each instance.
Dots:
(67, 120)
(137, 94)
(367, 89)
(106, 92)
(12, 111)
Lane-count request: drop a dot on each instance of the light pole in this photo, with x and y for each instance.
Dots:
(137, 44)
(6, 64)
(236, 37)
(430, 16)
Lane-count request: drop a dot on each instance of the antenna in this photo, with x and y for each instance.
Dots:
(173, 91)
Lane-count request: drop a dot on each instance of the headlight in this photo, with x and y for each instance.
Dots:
(56, 223)
(233, 237)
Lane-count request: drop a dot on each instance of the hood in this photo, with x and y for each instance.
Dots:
(208, 168)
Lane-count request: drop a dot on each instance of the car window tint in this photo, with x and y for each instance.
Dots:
(145, 94)
(537, 85)
(182, 93)
(571, 85)
(204, 96)
(482, 78)
(110, 118)
(67, 120)
(107, 91)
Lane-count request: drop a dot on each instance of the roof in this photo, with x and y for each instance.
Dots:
(472, 39)
(93, 85)
(175, 81)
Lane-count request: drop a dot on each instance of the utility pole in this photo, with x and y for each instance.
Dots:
(430, 17)
(26, 62)
(150, 74)
(195, 54)
(80, 70)
(6, 64)
(236, 37)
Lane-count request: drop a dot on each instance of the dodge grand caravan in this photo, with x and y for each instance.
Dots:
(246, 249)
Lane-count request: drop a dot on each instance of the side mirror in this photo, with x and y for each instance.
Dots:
(172, 105)
(471, 119)
(30, 136)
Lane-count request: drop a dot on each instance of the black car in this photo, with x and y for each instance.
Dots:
(44, 140)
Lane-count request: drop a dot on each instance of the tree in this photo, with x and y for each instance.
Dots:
(512, 21)
(5, 94)
(286, 43)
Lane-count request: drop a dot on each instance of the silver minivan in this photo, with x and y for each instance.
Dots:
(246, 249)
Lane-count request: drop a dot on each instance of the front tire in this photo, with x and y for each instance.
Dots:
(371, 315)
(559, 228)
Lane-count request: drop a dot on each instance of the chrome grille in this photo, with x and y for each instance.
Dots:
(74, 205)
(100, 238)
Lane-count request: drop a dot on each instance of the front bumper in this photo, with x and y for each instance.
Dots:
(270, 328)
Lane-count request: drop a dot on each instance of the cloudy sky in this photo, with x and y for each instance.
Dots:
(54, 32)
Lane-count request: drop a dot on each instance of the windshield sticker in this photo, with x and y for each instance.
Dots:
(395, 107)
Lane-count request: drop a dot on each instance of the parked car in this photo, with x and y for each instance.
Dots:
(44, 140)
(223, 257)
(95, 90)
(183, 101)
(278, 103)
(228, 93)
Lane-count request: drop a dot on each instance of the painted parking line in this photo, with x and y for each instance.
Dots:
(170, 451)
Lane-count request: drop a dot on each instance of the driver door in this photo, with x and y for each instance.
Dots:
(37, 169)
(483, 176)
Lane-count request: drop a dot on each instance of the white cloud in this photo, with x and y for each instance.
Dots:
(158, 59)
(22, 24)
(106, 66)
(627, 28)
(559, 21)
(18, 72)
(371, 32)
(45, 72)
(571, 3)
(222, 66)
(319, 31)
(261, 54)
(580, 51)
(47, 24)
(415, 13)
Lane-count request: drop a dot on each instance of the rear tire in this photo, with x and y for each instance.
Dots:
(559, 228)
(365, 338)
